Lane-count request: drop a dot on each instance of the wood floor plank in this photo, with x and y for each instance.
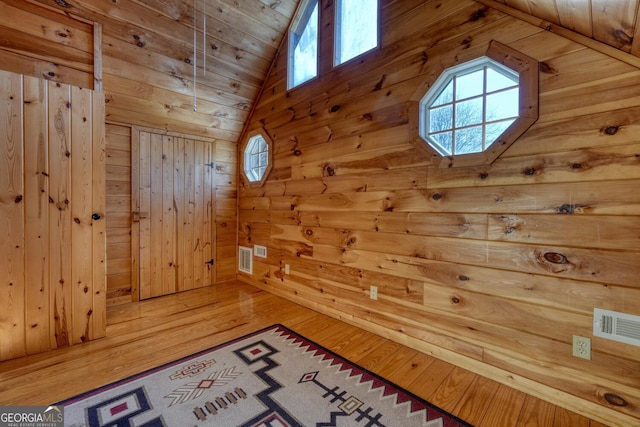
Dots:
(377, 358)
(472, 406)
(504, 410)
(407, 367)
(452, 389)
(146, 334)
(536, 412)
(427, 384)
(566, 418)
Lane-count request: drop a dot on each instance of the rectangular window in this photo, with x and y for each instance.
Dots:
(303, 45)
(356, 28)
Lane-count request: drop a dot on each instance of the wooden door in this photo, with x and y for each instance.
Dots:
(174, 205)
(52, 196)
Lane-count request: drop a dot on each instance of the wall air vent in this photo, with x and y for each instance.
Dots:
(245, 260)
(616, 326)
(260, 251)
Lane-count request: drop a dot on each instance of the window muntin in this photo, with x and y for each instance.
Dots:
(469, 107)
(256, 158)
(303, 46)
(356, 26)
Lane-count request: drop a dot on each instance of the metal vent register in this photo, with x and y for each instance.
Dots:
(245, 260)
(616, 326)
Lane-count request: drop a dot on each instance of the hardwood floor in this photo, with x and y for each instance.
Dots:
(149, 333)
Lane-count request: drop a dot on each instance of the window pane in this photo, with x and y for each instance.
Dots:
(471, 84)
(356, 28)
(469, 112)
(441, 118)
(303, 57)
(502, 105)
(469, 140)
(497, 81)
(494, 130)
(443, 142)
(446, 96)
(254, 161)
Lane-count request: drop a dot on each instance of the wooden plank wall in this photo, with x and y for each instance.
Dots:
(493, 268)
(147, 79)
(118, 200)
(52, 243)
(148, 60)
(39, 42)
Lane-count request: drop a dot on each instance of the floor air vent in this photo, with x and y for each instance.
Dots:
(245, 260)
(616, 326)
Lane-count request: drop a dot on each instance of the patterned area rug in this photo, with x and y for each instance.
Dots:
(273, 377)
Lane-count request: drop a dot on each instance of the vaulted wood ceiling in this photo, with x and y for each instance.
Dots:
(148, 50)
(613, 22)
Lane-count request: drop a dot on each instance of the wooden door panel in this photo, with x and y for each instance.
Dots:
(176, 237)
(53, 251)
(12, 213)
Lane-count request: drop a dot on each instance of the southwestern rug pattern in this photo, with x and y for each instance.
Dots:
(271, 378)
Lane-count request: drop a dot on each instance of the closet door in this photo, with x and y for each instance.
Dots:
(52, 197)
(174, 208)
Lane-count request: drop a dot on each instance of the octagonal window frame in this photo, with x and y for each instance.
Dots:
(254, 160)
(506, 61)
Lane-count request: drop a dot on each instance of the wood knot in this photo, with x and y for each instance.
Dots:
(477, 15)
(308, 232)
(297, 152)
(555, 258)
(62, 3)
(334, 108)
(566, 209)
(378, 85)
(611, 130)
(368, 116)
(18, 198)
(329, 170)
(463, 278)
(437, 196)
(529, 171)
(615, 400)
(455, 300)
(576, 166)
(547, 69)
(483, 175)
(623, 37)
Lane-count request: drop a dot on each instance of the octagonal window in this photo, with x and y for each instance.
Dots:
(475, 110)
(257, 157)
(470, 106)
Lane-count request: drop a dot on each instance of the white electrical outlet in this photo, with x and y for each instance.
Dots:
(582, 347)
(287, 269)
(373, 292)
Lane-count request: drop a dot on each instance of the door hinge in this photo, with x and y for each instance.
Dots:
(210, 262)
